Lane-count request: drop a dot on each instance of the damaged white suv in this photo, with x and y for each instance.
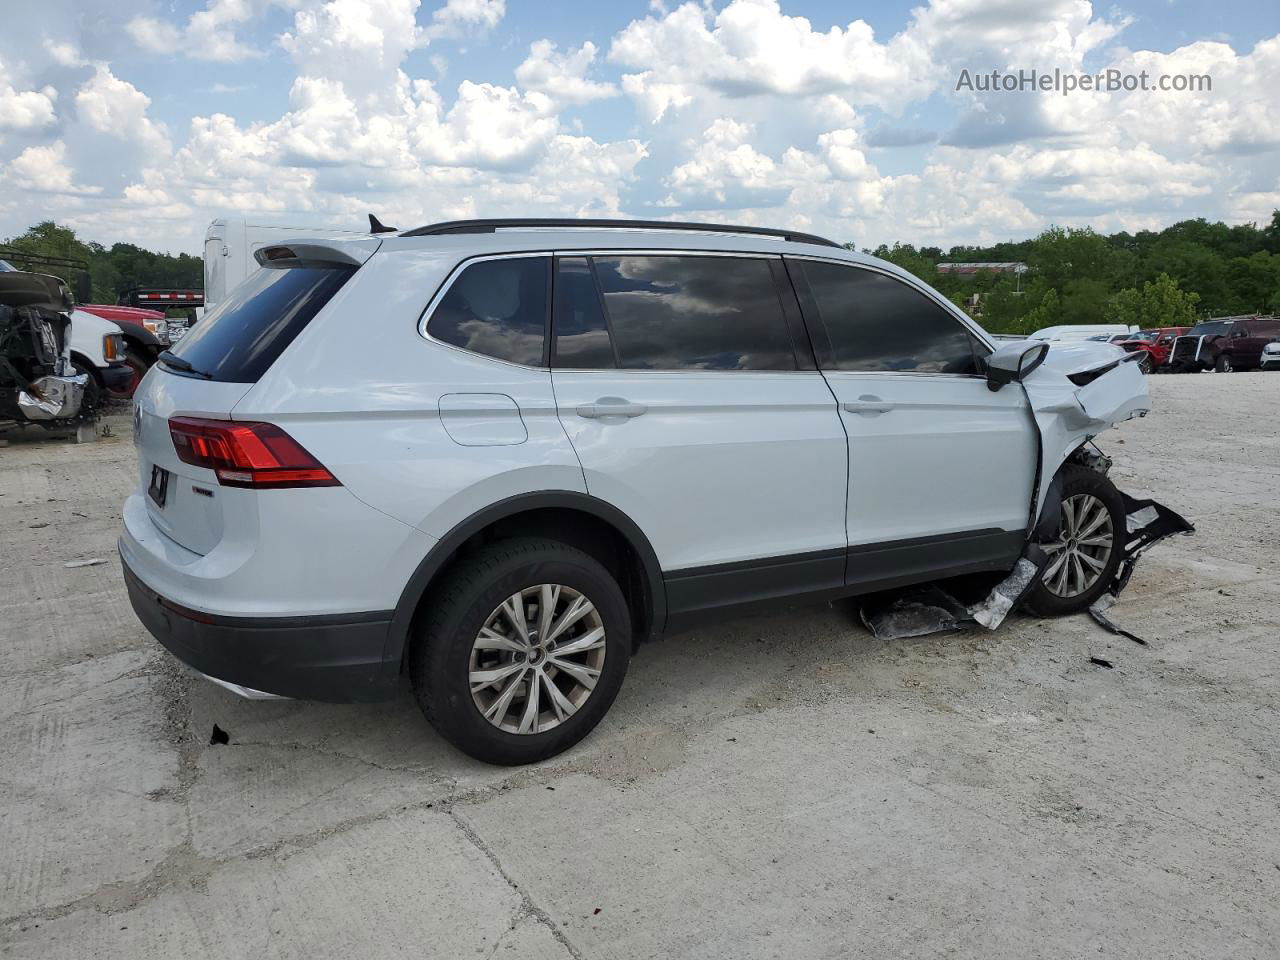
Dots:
(491, 457)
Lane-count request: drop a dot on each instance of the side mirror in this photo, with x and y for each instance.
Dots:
(1014, 361)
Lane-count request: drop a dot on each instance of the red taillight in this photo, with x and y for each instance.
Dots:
(256, 455)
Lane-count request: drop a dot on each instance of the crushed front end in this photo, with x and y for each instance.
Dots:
(38, 383)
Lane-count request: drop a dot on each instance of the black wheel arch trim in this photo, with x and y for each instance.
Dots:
(434, 561)
(139, 336)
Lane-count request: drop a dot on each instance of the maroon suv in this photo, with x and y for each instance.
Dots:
(1224, 344)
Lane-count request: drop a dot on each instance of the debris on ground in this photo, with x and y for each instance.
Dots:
(1098, 661)
(70, 564)
(219, 736)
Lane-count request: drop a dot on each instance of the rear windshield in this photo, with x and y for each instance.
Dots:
(239, 339)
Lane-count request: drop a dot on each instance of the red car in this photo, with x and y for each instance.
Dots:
(146, 336)
(1156, 344)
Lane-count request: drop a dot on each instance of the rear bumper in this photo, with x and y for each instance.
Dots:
(337, 659)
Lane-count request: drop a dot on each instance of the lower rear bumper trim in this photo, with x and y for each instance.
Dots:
(337, 659)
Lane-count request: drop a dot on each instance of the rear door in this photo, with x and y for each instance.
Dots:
(691, 398)
(941, 468)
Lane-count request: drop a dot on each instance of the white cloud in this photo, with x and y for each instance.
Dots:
(562, 76)
(457, 15)
(117, 108)
(44, 169)
(209, 34)
(25, 109)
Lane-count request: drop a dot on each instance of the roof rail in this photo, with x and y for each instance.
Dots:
(492, 226)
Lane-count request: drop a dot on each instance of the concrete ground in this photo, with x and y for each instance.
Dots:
(778, 786)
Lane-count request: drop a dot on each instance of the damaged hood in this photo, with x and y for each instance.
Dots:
(1080, 356)
(20, 289)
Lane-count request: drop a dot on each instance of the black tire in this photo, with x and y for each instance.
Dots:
(1223, 364)
(140, 363)
(1077, 480)
(93, 390)
(439, 658)
(1144, 362)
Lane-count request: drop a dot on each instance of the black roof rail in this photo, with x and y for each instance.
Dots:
(491, 226)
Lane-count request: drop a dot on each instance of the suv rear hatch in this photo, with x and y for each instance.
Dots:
(201, 470)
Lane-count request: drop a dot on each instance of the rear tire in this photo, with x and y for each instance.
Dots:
(469, 633)
(1087, 548)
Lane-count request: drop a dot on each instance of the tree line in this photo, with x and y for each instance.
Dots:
(1172, 277)
(112, 270)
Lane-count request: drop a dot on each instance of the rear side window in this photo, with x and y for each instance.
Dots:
(239, 339)
(582, 334)
(694, 313)
(497, 308)
(878, 323)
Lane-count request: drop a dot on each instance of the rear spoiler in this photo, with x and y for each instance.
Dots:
(316, 250)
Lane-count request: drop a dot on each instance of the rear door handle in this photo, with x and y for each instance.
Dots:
(611, 407)
(867, 404)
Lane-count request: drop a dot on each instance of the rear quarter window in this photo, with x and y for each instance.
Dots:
(497, 308)
(240, 338)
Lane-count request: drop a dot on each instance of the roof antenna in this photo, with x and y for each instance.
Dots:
(377, 226)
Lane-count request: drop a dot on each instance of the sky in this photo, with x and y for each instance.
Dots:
(142, 120)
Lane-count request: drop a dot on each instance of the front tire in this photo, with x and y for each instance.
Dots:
(1087, 548)
(523, 649)
(1144, 363)
(1223, 364)
(139, 363)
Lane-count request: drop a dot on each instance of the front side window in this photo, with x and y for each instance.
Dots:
(670, 312)
(582, 334)
(497, 308)
(878, 323)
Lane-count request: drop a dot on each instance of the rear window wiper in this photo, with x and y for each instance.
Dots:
(171, 359)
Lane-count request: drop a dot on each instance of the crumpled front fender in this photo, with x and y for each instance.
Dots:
(1068, 413)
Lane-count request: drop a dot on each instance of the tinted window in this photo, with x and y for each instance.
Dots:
(1212, 329)
(242, 336)
(582, 336)
(497, 308)
(878, 323)
(700, 313)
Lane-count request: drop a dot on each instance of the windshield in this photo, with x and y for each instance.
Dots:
(1213, 328)
(1144, 335)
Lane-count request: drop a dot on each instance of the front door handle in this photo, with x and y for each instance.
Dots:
(611, 407)
(867, 404)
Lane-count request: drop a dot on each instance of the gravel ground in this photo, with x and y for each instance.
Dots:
(776, 786)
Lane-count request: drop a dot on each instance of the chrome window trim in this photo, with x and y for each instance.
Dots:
(955, 312)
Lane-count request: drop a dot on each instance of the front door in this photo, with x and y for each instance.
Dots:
(941, 468)
(679, 382)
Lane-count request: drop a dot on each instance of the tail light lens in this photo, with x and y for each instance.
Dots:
(255, 455)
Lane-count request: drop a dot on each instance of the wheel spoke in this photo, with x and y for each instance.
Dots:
(513, 607)
(1097, 516)
(577, 610)
(490, 639)
(498, 709)
(1060, 581)
(1052, 570)
(529, 718)
(562, 705)
(591, 640)
(1102, 541)
(548, 597)
(1094, 562)
(1069, 517)
(1052, 548)
(587, 676)
(485, 678)
(1077, 574)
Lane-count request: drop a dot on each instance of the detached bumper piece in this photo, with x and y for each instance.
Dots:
(921, 610)
(333, 659)
(1147, 523)
(53, 398)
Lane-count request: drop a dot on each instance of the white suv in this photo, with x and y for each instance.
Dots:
(494, 456)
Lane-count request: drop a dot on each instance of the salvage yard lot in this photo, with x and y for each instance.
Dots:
(775, 786)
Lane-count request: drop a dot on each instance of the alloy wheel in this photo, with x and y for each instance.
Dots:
(1078, 556)
(537, 659)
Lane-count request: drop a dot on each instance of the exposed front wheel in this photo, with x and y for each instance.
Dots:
(1223, 364)
(1144, 363)
(1087, 548)
(523, 649)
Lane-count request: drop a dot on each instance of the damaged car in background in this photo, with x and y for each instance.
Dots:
(555, 439)
(38, 380)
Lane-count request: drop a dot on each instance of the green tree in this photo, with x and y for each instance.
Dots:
(1160, 303)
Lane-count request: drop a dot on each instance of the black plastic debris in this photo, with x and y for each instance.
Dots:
(219, 737)
(1098, 661)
